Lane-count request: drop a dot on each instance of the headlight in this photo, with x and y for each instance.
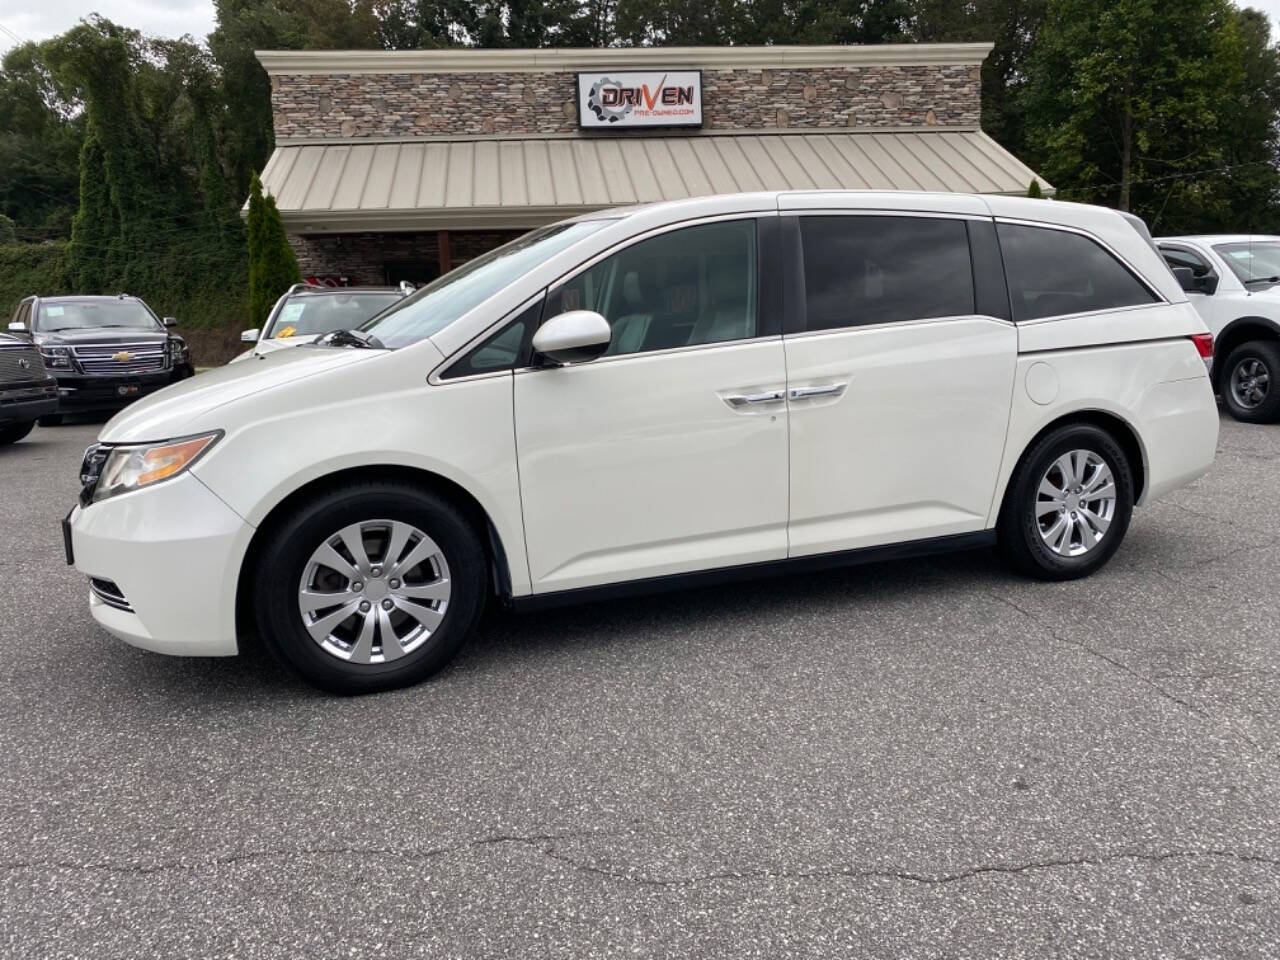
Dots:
(177, 351)
(56, 357)
(140, 465)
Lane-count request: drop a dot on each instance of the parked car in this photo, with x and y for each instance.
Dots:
(655, 396)
(1234, 282)
(27, 392)
(306, 311)
(105, 352)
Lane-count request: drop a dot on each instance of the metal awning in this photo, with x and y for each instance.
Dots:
(524, 181)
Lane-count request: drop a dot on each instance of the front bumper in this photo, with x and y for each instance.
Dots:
(30, 402)
(175, 552)
(78, 391)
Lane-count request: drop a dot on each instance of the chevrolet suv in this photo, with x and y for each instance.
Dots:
(105, 352)
(661, 395)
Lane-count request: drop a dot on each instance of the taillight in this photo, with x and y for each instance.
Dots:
(1204, 345)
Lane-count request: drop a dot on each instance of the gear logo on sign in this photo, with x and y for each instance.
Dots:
(606, 114)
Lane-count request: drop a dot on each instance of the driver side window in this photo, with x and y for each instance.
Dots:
(692, 286)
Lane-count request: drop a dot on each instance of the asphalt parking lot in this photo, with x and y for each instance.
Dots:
(921, 759)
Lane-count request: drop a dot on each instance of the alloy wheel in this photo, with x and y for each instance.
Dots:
(374, 591)
(1250, 383)
(1075, 503)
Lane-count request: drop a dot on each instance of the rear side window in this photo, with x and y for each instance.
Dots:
(1053, 272)
(860, 270)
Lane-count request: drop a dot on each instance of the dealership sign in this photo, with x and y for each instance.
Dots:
(648, 98)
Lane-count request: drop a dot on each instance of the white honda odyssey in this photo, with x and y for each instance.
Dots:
(654, 396)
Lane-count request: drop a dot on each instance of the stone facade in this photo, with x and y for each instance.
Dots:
(337, 105)
(363, 259)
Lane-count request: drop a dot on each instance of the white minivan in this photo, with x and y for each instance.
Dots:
(654, 396)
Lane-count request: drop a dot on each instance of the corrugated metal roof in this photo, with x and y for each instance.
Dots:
(525, 181)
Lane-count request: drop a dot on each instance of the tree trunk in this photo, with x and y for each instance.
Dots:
(1126, 159)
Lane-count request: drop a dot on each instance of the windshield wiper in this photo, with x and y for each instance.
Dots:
(1262, 280)
(351, 338)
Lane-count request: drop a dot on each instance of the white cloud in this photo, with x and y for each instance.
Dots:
(40, 19)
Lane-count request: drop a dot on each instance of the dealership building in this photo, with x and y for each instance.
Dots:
(395, 166)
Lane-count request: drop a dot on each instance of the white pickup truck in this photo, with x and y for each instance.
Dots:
(1234, 282)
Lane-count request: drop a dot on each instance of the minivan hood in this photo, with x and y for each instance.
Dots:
(168, 412)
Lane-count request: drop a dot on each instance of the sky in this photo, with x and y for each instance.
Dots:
(39, 19)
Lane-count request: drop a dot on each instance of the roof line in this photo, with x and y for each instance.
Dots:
(563, 60)
(282, 142)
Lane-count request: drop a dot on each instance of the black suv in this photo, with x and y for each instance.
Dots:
(27, 392)
(104, 351)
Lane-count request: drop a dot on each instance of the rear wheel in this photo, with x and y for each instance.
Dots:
(52, 420)
(1068, 504)
(14, 432)
(370, 587)
(1248, 382)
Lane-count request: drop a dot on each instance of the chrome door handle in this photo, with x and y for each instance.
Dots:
(747, 399)
(829, 390)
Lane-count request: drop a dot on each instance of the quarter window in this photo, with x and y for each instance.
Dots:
(866, 269)
(1053, 272)
(504, 350)
(688, 287)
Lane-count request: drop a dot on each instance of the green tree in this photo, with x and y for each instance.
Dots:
(1034, 191)
(8, 233)
(1126, 91)
(273, 268)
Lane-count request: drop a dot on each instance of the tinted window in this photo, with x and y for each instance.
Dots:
(860, 270)
(1184, 258)
(678, 289)
(1052, 272)
(503, 350)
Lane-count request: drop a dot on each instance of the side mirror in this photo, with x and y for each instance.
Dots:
(1208, 283)
(170, 321)
(16, 327)
(573, 337)
(249, 336)
(1186, 279)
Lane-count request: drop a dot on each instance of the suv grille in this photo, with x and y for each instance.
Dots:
(104, 358)
(20, 363)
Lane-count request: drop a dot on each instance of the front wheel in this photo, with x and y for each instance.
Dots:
(370, 587)
(1068, 504)
(1248, 382)
(14, 432)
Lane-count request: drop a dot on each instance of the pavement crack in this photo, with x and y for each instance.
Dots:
(908, 876)
(246, 856)
(1123, 668)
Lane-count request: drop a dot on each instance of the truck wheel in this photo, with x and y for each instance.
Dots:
(370, 587)
(1248, 382)
(14, 432)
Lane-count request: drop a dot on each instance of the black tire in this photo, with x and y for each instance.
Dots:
(14, 432)
(52, 420)
(1263, 355)
(285, 558)
(1018, 528)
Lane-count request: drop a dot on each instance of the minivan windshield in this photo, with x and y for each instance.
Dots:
(306, 314)
(439, 303)
(1253, 262)
(55, 315)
